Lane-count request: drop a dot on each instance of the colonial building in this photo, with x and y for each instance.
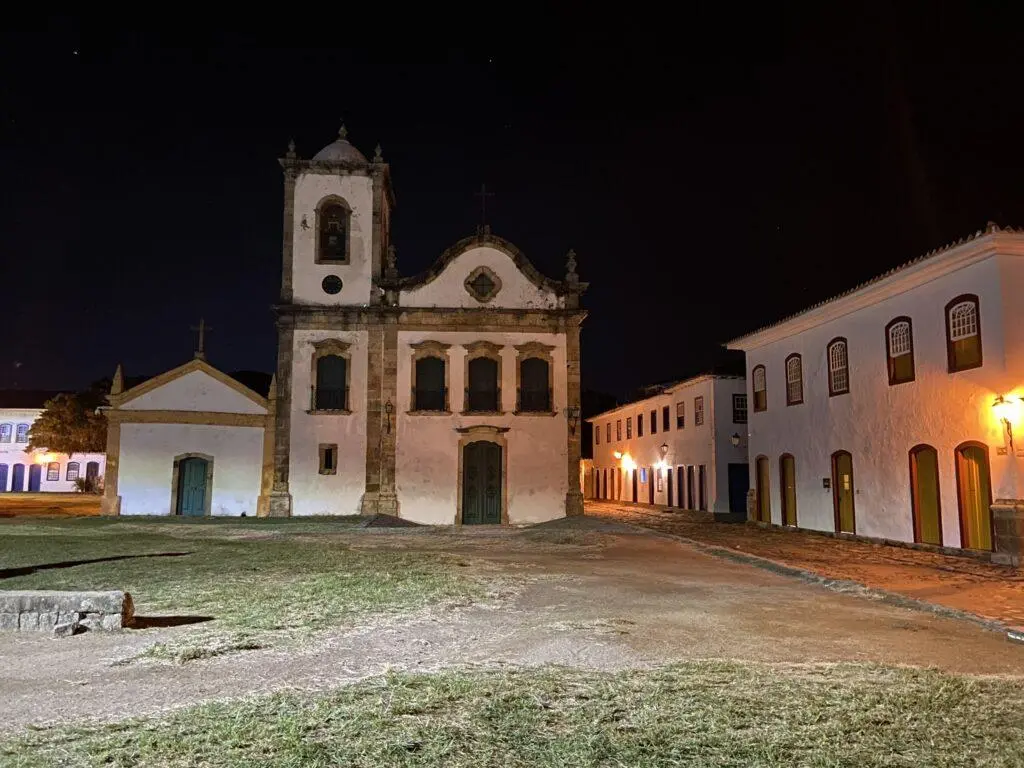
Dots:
(37, 471)
(891, 410)
(683, 446)
(447, 397)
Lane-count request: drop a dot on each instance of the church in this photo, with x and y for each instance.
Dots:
(447, 397)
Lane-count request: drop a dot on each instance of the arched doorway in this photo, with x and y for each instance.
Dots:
(842, 492)
(787, 480)
(35, 478)
(763, 488)
(18, 477)
(192, 485)
(974, 496)
(3, 478)
(482, 487)
(924, 495)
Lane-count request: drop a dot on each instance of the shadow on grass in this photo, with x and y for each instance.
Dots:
(153, 622)
(27, 570)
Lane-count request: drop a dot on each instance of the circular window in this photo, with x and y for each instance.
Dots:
(331, 284)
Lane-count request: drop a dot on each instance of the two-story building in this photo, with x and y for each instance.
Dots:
(683, 446)
(890, 411)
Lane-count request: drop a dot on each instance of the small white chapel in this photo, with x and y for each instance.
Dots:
(447, 397)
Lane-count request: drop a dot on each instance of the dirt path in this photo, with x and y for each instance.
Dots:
(991, 591)
(607, 601)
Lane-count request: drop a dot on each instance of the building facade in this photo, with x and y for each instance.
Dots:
(684, 447)
(39, 471)
(890, 410)
(446, 397)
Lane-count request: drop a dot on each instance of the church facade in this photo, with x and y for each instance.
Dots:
(447, 397)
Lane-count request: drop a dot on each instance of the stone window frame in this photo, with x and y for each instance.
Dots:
(322, 450)
(325, 348)
(794, 369)
(837, 362)
(323, 202)
(483, 298)
(475, 350)
(176, 468)
(698, 411)
(6, 433)
(73, 465)
(440, 350)
(629, 427)
(739, 406)
(53, 471)
(894, 335)
(759, 378)
(618, 430)
(475, 434)
(540, 351)
(21, 433)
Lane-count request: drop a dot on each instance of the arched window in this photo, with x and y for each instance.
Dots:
(838, 368)
(22, 434)
(331, 388)
(332, 231)
(430, 393)
(794, 380)
(963, 333)
(92, 470)
(72, 473)
(899, 345)
(52, 471)
(5, 433)
(482, 394)
(534, 385)
(760, 389)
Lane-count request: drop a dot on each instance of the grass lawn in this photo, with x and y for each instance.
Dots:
(693, 714)
(259, 579)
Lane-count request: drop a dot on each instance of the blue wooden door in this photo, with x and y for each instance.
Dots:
(3, 478)
(192, 488)
(18, 477)
(35, 476)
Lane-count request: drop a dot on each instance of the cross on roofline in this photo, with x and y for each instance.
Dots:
(483, 194)
(202, 328)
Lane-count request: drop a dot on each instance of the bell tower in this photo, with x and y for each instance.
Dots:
(337, 218)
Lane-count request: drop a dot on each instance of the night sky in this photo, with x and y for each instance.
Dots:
(711, 179)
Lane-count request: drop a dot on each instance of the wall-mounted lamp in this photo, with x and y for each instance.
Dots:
(388, 410)
(735, 439)
(617, 454)
(304, 224)
(1007, 410)
(572, 415)
(664, 450)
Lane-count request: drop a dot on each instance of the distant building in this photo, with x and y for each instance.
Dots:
(684, 446)
(38, 471)
(879, 412)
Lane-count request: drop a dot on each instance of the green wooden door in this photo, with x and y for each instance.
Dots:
(481, 483)
(924, 487)
(842, 492)
(787, 473)
(192, 488)
(764, 504)
(974, 490)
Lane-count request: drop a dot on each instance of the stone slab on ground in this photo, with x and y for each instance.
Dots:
(42, 610)
(389, 521)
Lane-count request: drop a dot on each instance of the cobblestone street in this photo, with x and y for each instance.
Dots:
(991, 591)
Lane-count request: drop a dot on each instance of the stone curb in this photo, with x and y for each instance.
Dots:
(844, 586)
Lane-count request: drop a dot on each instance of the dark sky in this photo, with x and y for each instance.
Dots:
(712, 177)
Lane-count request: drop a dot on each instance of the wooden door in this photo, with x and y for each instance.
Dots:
(680, 483)
(974, 493)
(635, 498)
(739, 484)
(650, 483)
(35, 477)
(763, 489)
(924, 495)
(192, 488)
(18, 477)
(481, 483)
(702, 488)
(787, 478)
(843, 491)
(668, 488)
(3, 478)
(689, 487)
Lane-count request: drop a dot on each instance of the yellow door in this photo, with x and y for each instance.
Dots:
(764, 505)
(975, 495)
(842, 492)
(787, 472)
(924, 485)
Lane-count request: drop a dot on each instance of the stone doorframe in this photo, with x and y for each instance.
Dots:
(488, 434)
(208, 501)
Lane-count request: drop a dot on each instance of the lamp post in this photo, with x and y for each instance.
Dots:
(572, 415)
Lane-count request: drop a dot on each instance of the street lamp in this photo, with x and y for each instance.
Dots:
(1007, 410)
(735, 439)
(572, 415)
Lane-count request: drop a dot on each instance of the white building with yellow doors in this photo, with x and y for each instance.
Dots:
(890, 411)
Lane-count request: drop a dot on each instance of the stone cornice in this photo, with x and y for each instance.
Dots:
(432, 319)
(209, 418)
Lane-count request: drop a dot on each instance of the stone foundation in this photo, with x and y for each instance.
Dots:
(1008, 531)
(45, 610)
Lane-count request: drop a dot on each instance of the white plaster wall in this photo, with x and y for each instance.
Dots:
(307, 275)
(427, 458)
(879, 424)
(341, 493)
(195, 391)
(448, 289)
(147, 464)
(707, 445)
(14, 453)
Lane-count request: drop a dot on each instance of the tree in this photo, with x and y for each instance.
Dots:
(69, 424)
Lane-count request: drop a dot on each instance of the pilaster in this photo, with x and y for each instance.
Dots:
(574, 496)
(380, 496)
(111, 503)
(279, 503)
(288, 240)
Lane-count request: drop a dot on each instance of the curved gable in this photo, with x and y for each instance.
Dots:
(480, 272)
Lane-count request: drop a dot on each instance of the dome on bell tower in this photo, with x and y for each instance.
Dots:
(340, 151)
